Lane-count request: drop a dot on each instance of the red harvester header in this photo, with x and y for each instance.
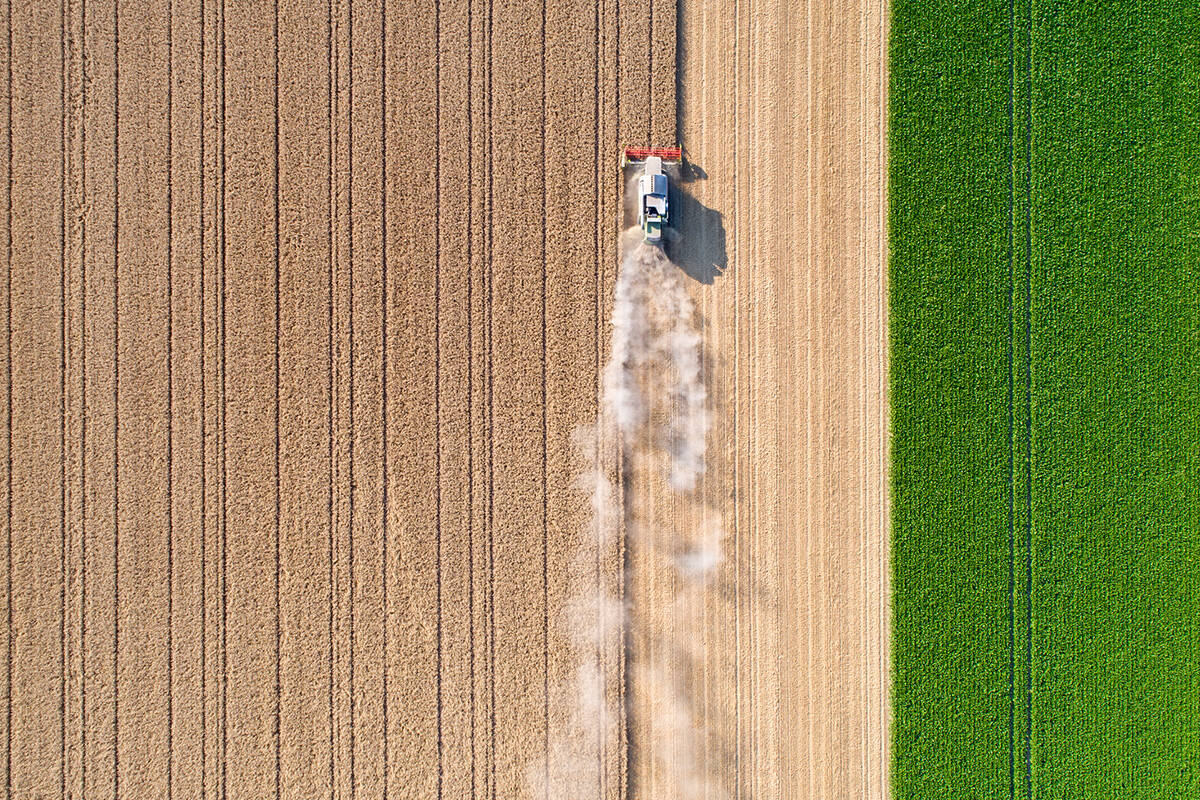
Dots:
(642, 153)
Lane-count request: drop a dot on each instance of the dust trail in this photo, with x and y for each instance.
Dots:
(653, 409)
(655, 362)
(595, 620)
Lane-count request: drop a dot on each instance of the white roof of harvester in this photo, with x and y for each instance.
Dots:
(655, 184)
(656, 204)
(652, 185)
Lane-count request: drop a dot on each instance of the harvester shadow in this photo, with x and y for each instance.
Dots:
(698, 247)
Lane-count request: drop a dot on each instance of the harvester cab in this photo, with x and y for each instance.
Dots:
(652, 187)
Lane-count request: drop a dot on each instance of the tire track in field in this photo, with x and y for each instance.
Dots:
(1029, 564)
(1020, 396)
(1012, 687)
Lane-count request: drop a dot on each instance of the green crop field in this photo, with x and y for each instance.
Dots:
(1045, 390)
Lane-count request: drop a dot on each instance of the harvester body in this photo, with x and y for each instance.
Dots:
(653, 187)
(652, 199)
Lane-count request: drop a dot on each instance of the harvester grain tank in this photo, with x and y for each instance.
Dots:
(653, 186)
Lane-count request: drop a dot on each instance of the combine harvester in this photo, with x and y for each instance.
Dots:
(652, 187)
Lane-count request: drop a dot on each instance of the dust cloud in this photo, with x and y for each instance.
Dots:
(654, 411)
